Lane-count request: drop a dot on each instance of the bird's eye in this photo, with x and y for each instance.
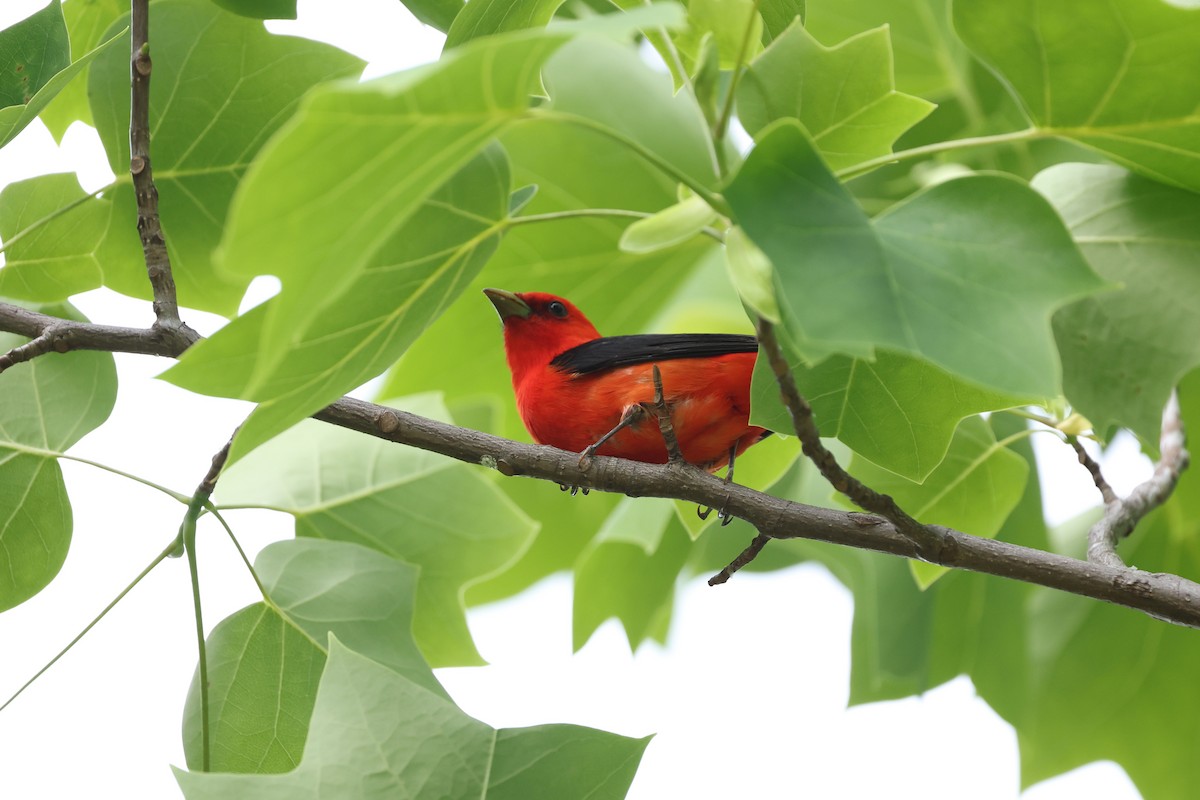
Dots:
(557, 309)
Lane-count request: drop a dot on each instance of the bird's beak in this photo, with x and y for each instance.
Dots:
(508, 304)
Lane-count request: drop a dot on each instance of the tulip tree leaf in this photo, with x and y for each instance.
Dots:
(260, 9)
(965, 274)
(896, 411)
(58, 242)
(644, 542)
(1104, 75)
(973, 489)
(342, 487)
(49, 404)
(487, 17)
(221, 87)
(265, 661)
(38, 68)
(376, 734)
(87, 21)
(1123, 351)
(844, 95)
(404, 284)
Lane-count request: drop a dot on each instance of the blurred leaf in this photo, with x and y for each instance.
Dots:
(778, 15)
(897, 411)
(260, 9)
(39, 68)
(405, 282)
(1124, 351)
(671, 226)
(437, 14)
(973, 489)
(222, 86)
(487, 17)
(376, 734)
(844, 95)
(265, 660)
(58, 243)
(629, 570)
(751, 273)
(87, 20)
(965, 274)
(48, 405)
(1106, 76)
(345, 487)
(725, 23)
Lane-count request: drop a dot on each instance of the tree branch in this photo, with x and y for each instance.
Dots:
(1093, 468)
(1122, 516)
(928, 540)
(154, 246)
(1164, 596)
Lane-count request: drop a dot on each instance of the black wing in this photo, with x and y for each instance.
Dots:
(624, 351)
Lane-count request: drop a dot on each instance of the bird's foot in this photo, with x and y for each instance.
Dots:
(574, 490)
(724, 516)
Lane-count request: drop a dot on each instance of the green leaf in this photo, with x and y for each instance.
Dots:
(778, 15)
(1107, 76)
(751, 273)
(438, 14)
(897, 411)
(58, 242)
(488, 17)
(265, 660)
(376, 734)
(671, 226)
(87, 20)
(930, 61)
(26, 100)
(221, 87)
(1124, 351)
(49, 404)
(629, 570)
(725, 21)
(973, 489)
(260, 9)
(844, 95)
(408, 279)
(965, 274)
(31, 53)
(344, 487)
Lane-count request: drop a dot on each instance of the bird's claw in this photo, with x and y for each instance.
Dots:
(574, 490)
(724, 516)
(585, 459)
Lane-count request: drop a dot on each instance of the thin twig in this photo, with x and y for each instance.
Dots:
(663, 413)
(1093, 469)
(1122, 516)
(154, 246)
(187, 533)
(1161, 595)
(744, 558)
(28, 351)
(926, 538)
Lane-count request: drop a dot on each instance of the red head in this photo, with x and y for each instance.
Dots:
(537, 327)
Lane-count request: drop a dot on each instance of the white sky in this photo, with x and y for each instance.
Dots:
(748, 700)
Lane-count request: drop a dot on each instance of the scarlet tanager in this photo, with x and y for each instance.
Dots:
(575, 387)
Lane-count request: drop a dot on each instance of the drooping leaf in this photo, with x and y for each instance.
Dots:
(48, 405)
(408, 279)
(260, 9)
(488, 17)
(58, 242)
(629, 570)
(1107, 76)
(221, 87)
(965, 274)
(376, 734)
(844, 95)
(35, 65)
(896, 411)
(344, 487)
(87, 20)
(671, 226)
(265, 661)
(1123, 351)
(973, 489)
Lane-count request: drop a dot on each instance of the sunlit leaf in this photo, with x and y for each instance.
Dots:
(87, 20)
(487, 17)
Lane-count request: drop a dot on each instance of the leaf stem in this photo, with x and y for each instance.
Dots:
(187, 532)
(44, 453)
(575, 213)
(715, 200)
(739, 67)
(940, 147)
(149, 567)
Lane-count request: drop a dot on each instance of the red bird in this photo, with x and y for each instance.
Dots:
(576, 389)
